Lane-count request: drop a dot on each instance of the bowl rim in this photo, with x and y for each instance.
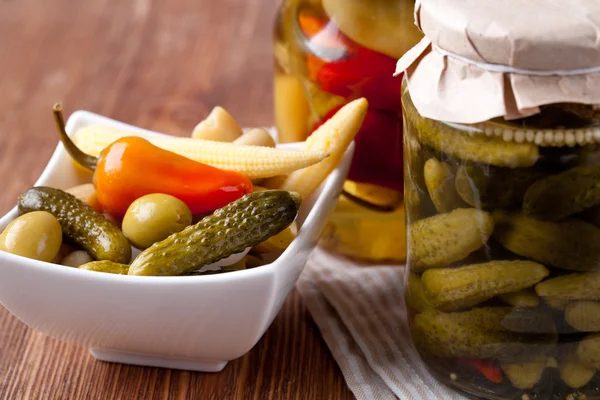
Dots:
(86, 118)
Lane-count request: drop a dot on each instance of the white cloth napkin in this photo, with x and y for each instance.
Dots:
(361, 314)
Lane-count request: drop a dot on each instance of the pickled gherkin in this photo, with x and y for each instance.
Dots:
(581, 286)
(570, 244)
(80, 223)
(559, 196)
(477, 147)
(575, 374)
(451, 289)
(588, 351)
(243, 223)
(524, 375)
(491, 187)
(489, 318)
(529, 320)
(584, 316)
(521, 298)
(439, 180)
(468, 334)
(437, 241)
(107, 267)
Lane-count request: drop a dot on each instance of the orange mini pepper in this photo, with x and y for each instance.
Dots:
(132, 167)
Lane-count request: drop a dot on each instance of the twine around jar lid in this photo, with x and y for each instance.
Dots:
(481, 60)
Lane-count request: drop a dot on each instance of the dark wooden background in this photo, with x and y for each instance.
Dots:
(162, 65)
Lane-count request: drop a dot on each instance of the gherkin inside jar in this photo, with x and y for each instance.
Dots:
(503, 267)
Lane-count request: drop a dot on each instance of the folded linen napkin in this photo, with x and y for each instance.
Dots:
(361, 314)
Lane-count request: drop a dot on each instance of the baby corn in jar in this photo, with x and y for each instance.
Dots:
(502, 195)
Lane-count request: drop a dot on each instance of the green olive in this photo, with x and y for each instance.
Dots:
(153, 218)
(35, 235)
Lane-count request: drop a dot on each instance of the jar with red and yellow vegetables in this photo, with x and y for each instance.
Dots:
(329, 52)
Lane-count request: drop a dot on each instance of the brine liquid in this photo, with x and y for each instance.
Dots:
(318, 70)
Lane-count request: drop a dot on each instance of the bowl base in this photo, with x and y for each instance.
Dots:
(116, 356)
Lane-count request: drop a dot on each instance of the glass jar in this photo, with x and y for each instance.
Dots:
(502, 281)
(329, 52)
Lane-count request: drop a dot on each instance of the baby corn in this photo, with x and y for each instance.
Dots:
(333, 137)
(253, 161)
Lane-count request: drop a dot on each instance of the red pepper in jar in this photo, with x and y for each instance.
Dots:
(359, 72)
(323, 35)
(367, 74)
(487, 369)
(132, 167)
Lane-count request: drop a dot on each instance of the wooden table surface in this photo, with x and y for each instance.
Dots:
(162, 65)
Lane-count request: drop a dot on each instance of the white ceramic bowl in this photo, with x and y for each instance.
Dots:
(193, 322)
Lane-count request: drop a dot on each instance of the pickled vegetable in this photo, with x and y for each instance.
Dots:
(524, 375)
(559, 196)
(529, 320)
(415, 296)
(219, 126)
(256, 137)
(584, 316)
(439, 179)
(582, 286)
(437, 241)
(333, 138)
(108, 267)
(569, 244)
(588, 351)
(153, 218)
(490, 187)
(475, 147)
(453, 289)
(36, 235)
(477, 333)
(291, 108)
(521, 298)
(574, 373)
(80, 223)
(76, 259)
(487, 368)
(524, 300)
(244, 223)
